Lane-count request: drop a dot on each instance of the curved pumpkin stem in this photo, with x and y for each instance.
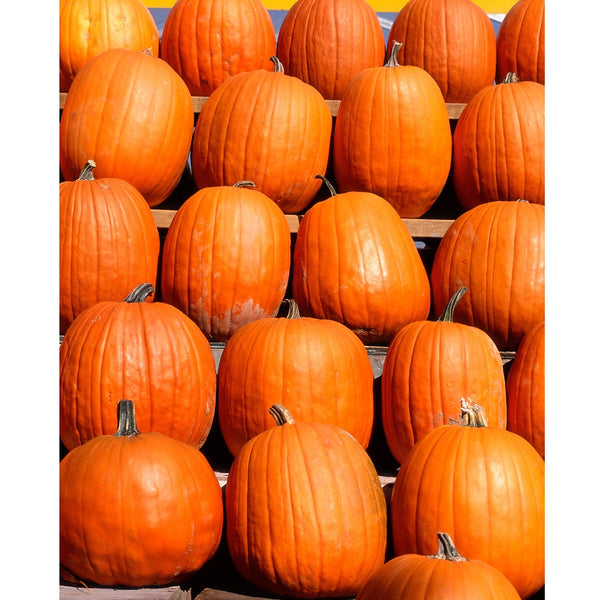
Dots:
(446, 549)
(472, 414)
(448, 313)
(278, 64)
(327, 183)
(511, 78)
(244, 183)
(293, 310)
(392, 61)
(140, 293)
(126, 418)
(86, 173)
(281, 415)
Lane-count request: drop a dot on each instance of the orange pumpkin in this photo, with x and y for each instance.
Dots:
(327, 42)
(133, 115)
(525, 389)
(521, 42)
(109, 242)
(355, 262)
(429, 367)
(208, 41)
(484, 487)
(87, 29)
(499, 144)
(497, 251)
(446, 574)
(453, 40)
(135, 349)
(137, 509)
(317, 368)
(392, 137)
(306, 514)
(226, 259)
(266, 127)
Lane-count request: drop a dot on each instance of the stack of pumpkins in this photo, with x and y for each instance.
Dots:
(293, 397)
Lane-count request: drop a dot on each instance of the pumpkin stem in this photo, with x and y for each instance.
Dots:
(446, 549)
(327, 183)
(278, 64)
(448, 313)
(472, 414)
(281, 415)
(293, 310)
(392, 60)
(86, 173)
(140, 293)
(244, 183)
(511, 78)
(126, 419)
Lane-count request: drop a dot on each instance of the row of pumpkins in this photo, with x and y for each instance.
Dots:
(303, 512)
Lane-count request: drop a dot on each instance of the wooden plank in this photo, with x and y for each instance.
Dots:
(71, 592)
(212, 594)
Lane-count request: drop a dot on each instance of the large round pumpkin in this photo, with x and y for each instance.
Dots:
(499, 144)
(327, 42)
(429, 367)
(133, 115)
(484, 487)
(137, 509)
(453, 40)
(266, 127)
(317, 368)
(525, 389)
(87, 29)
(392, 137)
(445, 574)
(306, 514)
(134, 349)
(226, 259)
(497, 251)
(208, 41)
(108, 242)
(521, 42)
(355, 262)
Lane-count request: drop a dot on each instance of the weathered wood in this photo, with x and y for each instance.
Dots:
(212, 594)
(70, 592)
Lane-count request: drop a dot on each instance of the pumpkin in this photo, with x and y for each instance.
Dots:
(496, 250)
(453, 40)
(108, 242)
(266, 127)
(521, 42)
(525, 388)
(226, 258)
(355, 262)
(499, 144)
(317, 368)
(135, 349)
(428, 368)
(445, 574)
(306, 514)
(137, 509)
(208, 41)
(392, 137)
(327, 42)
(87, 29)
(133, 115)
(481, 485)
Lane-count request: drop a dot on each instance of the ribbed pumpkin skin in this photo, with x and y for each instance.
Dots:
(109, 243)
(266, 127)
(137, 511)
(392, 138)
(226, 259)
(133, 115)
(355, 262)
(485, 488)
(327, 42)
(305, 512)
(525, 389)
(497, 251)
(87, 29)
(499, 145)
(453, 40)
(521, 42)
(208, 41)
(148, 351)
(316, 368)
(428, 368)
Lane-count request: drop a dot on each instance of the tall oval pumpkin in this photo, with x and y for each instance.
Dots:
(133, 115)
(109, 242)
(327, 42)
